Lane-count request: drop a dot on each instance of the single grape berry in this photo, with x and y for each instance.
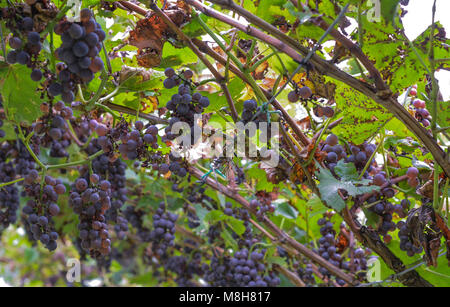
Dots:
(293, 96)
(305, 92)
(55, 89)
(188, 74)
(169, 72)
(75, 31)
(34, 38)
(331, 140)
(15, 43)
(80, 49)
(23, 57)
(412, 172)
(11, 57)
(36, 75)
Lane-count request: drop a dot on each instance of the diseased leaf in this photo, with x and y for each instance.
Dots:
(329, 187)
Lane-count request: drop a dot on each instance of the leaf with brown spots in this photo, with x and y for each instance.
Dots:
(152, 32)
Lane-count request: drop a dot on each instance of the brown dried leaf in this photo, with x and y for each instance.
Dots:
(152, 32)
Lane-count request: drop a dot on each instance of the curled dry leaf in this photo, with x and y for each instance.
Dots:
(152, 32)
(424, 231)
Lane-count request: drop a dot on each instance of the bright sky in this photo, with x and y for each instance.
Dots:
(418, 19)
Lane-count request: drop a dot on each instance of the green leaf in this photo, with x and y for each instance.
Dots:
(20, 97)
(237, 225)
(229, 240)
(329, 187)
(215, 216)
(286, 210)
(276, 260)
(389, 10)
(346, 171)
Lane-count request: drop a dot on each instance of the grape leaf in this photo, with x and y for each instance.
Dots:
(20, 97)
(329, 187)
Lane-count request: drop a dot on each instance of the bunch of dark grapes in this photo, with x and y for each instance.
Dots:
(249, 111)
(163, 233)
(26, 52)
(193, 220)
(135, 217)
(248, 269)
(252, 113)
(421, 113)
(42, 206)
(185, 268)
(23, 161)
(140, 143)
(9, 195)
(113, 169)
(175, 166)
(306, 273)
(53, 129)
(327, 249)
(261, 207)
(185, 104)
(219, 274)
(379, 204)
(90, 199)
(81, 44)
(330, 251)
(359, 154)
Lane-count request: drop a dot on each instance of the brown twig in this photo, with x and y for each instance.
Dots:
(151, 118)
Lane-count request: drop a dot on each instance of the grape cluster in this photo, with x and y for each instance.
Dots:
(378, 203)
(185, 268)
(23, 161)
(185, 104)
(163, 233)
(24, 51)
(250, 107)
(53, 129)
(219, 274)
(251, 112)
(359, 154)
(193, 220)
(81, 44)
(90, 199)
(261, 207)
(421, 113)
(329, 249)
(135, 217)
(42, 207)
(113, 169)
(306, 273)
(9, 195)
(248, 269)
